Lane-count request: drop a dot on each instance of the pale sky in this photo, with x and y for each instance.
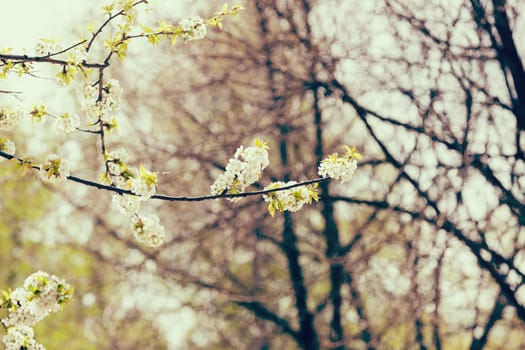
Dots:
(25, 21)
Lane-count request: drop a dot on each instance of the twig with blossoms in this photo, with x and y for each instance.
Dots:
(40, 295)
(138, 185)
(170, 198)
(108, 9)
(133, 186)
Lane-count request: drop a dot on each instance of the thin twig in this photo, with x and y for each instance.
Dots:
(163, 197)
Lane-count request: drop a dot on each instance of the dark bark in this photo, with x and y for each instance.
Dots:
(510, 58)
(307, 335)
(479, 343)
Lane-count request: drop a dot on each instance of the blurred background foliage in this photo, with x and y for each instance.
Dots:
(423, 249)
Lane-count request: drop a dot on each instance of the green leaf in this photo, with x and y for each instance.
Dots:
(108, 9)
(271, 209)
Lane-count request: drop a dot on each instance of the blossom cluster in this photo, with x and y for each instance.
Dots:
(340, 168)
(96, 106)
(243, 169)
(46, 47)
(67, 122)
(148, 230)
(193, 28)
(248, 163)
(9, 118)
(55, 168)
(21, 337)
(142, 184)
(40, 295)
(190, 28)
(292, 199)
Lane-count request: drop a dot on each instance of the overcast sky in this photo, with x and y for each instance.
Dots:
(23, 22)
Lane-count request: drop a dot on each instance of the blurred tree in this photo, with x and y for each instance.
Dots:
(424, 249)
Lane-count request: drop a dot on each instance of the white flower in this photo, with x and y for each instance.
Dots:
(112, 94)
(45, 47)
(67, 123)
(7, 146)
(53, 169)
(111, 98)
(119, 154)
(292, 199)
(88, 94)
(9, 118)
(127, 204)
(21, 337)
(340, 168)
(194, 28)
(242, 170)
(141, 188)
(116, 161)
(148, 230)
(40, 295)
(143, 182)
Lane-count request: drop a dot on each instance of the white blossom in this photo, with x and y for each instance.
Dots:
(116, 161)
(143, 182)
(194, 28)
(21, 337)
(111, 98)
(9, 118)
(54, 168)
(127, 204)
(292, 199)
(148, 230)
(242, 170)
(141, 188)
(120, 154)
(112, 94)
(67, 123)
(340, 168)
(89, 95)
(45, 47)
(40, 295)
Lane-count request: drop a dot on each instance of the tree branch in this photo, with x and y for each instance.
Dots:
(263, 313)
(163, 197)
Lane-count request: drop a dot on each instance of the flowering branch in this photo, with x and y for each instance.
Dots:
(169, 198)
(108, 9)
(100, 98)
